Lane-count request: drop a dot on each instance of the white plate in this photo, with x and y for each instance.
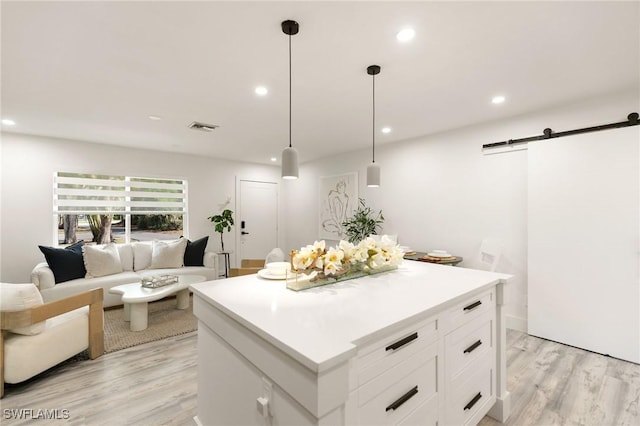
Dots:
(439, 254)
(264, 273)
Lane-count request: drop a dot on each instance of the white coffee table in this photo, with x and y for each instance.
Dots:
(136, 298)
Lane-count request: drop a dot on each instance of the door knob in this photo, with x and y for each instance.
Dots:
(244, 233)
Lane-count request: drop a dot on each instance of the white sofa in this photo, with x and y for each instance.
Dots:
(136, 262)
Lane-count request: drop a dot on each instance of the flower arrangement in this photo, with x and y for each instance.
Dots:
(325, 265)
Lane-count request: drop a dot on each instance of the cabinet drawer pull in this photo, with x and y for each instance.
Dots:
(473, 402)
(400, 343)
(473, 347)
(404, 398)
(472, 306)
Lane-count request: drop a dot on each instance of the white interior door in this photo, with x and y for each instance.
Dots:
(258, 219)
(583, 218)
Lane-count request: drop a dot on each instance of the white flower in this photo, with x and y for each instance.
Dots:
(303, 259)
(319, 246)
(369, 243)
(348, 250)
(334, 255)
(360, 254)
(332, 268)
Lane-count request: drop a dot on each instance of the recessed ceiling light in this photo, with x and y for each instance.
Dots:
(261, 90)
(498, 99)
(8, 122)
(386, 130)
(274, 159)
(155, 117)
(406, 34)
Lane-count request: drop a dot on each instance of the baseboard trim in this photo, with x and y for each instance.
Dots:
(501, 410)
(516, 323)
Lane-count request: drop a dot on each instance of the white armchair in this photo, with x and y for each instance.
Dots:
(36, 336)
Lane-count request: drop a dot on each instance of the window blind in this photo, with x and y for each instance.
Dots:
(76, 193)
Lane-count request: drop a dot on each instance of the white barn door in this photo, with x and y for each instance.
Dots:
(583, 241)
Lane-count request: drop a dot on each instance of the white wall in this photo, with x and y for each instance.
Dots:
(28, 164)
(438, 192)
(441, 192)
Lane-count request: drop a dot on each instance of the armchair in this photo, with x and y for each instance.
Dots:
(36, 336)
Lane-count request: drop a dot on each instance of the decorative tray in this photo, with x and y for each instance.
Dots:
(159, 281)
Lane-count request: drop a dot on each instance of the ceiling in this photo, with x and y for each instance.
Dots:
(95, 71)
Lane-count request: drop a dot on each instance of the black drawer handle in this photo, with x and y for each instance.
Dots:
(404, 398)
(473, 347)
(400, 343)
(472, 306)
(473, 402)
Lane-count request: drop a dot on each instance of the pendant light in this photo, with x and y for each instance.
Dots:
(290, 155)
(373, 170)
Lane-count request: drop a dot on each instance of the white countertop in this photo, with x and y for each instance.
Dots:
(321, 327)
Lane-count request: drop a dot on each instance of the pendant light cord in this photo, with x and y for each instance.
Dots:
(289, 90)
(373, 129)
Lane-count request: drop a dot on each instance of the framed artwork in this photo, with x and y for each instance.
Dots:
(338, 200)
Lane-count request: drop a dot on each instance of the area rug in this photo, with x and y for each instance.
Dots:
(164, 321)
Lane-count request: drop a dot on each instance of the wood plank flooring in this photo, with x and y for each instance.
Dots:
(555, 384)
(155, 384)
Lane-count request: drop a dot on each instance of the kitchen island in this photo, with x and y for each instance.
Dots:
(423, 344)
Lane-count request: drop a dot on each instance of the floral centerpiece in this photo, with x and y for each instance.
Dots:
(315, 265)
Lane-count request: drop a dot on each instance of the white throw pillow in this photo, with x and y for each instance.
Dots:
(142, 255)
(168, 254)
(126, 256)
(101, 260)
(18, 297)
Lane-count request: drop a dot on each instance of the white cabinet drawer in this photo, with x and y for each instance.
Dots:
(473, 394)
(376, 358)
(393, 395)
(468, 343)
(425, 415)
(471, 309)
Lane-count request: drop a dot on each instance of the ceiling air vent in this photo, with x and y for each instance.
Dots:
(195, 125)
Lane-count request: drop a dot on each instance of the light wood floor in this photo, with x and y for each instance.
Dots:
(155, 384)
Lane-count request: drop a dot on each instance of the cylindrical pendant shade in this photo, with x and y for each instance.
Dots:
(373, 175)
(289, 163)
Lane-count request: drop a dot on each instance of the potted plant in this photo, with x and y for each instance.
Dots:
(362, 223)
(222, 221)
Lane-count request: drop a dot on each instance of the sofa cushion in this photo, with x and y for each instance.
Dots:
(18, 297)
(194, 253)
(142, 255)
(126, 256)
(83, 284)
(66, 263)
(101, 260)
(168, 254)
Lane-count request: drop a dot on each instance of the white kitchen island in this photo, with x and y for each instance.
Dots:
(420, 345)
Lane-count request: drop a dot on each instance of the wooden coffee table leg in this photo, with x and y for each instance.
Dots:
(182, 299)
(139, 316)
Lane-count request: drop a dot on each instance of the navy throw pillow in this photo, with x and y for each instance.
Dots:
(194, 253)
(66, 263)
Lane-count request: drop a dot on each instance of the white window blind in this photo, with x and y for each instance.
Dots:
(76, 193)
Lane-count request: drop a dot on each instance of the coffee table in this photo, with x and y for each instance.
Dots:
(136, 298)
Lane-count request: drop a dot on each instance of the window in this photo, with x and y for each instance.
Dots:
(102, 208)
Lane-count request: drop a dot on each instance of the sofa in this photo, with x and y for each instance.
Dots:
(82, 267)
